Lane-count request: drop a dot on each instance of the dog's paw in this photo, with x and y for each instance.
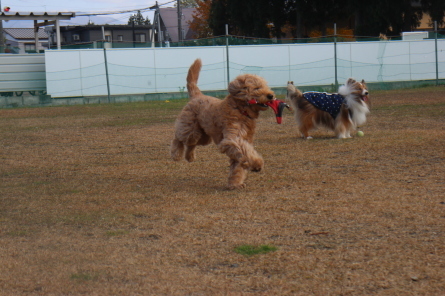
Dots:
(257, 165)
(236, 186)
(176, 157)
(190, 157)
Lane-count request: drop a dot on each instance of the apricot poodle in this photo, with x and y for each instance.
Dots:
(230, 123)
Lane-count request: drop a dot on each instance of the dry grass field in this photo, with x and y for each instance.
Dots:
(91, 204)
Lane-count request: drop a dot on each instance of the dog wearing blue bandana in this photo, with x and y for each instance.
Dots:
(342, 112)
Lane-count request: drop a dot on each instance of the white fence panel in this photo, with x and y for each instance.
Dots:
(311, 64)
(395, 61)
(172, 65)
(269, 62)
(345, 64)
(92, 71)
(423, 60)
(366, 60)
(131, 71)
(157, 70)
(441, 58)
(63, 73)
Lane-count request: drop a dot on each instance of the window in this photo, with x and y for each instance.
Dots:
(108, 38)
(140, 37)
(30, 47)
(120, 38)
(76, 37)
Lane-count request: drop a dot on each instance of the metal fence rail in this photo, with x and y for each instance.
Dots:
(22, 73)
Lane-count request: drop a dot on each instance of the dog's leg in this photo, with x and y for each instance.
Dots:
(304, 132)
(256, 162)
(199, 138)
(305, 124)
(349, 128)
(343, 124)
(243, 152)
(177, 150)
(189, 143)
(237, 176)
(190, 153)
(341, 132)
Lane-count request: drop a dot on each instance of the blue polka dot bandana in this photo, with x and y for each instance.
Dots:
(330, 103)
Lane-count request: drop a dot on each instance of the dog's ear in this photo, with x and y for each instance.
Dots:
(235, 86)
(350, 81)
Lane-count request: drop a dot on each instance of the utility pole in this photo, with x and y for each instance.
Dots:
(160, 33)
(437, 60)
(299, 31)
(2, 39)
(179, 20)
(227, 53)
(335, 55)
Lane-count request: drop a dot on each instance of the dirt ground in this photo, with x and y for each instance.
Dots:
(92, 204)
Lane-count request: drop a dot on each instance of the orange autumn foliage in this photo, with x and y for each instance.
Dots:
(200, 24)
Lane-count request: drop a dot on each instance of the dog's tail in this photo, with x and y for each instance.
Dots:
(345, 90)
(192, 78)
(293, 94)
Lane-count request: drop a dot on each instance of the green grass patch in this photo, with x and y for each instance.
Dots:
(250, 250)
(17, 233)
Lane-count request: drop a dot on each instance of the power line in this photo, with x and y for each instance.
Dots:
(123, 11)
(113, 12)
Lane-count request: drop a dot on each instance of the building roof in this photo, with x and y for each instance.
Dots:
(106, 26)
(170, 18)
(25, 33)
(49, 16)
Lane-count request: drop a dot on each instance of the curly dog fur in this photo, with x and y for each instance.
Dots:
(230, 123)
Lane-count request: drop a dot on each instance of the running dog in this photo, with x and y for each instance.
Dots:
(342, 112)
(230, 123)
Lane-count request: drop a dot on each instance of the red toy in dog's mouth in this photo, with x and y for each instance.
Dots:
(276, 105)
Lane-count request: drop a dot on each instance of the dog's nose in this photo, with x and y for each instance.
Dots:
(270, 97)
(366, 93)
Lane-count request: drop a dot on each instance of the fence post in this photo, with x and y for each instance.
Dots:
(106, 73)
(335, 55)
(227, 53)
(437, 59)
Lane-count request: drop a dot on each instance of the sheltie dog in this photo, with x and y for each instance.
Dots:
(342, 112)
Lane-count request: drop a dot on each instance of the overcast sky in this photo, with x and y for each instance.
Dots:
(85, 7)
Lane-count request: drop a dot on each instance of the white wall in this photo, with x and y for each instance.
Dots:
(71, 73)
